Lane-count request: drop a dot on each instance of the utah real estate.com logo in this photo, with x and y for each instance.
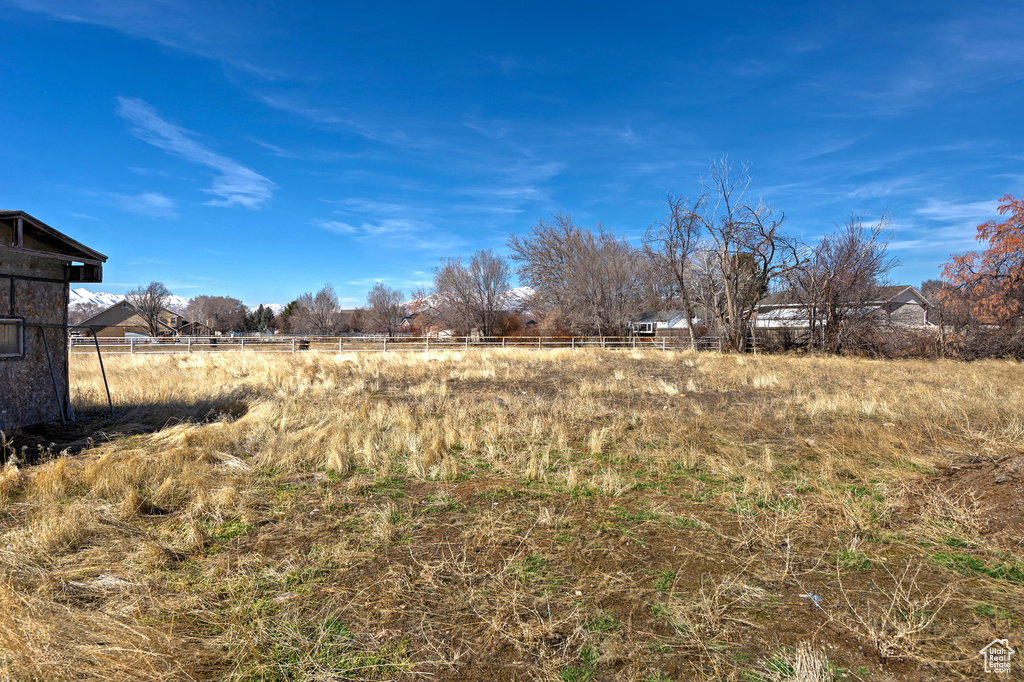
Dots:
(997, 656)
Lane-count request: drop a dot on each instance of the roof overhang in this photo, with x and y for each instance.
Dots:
(86, 264)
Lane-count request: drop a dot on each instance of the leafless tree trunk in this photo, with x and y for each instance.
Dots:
(592, 277)
(670, 246)
(840, 280)
(384, 308)
(319, 312)
(472, 296)
(83, 311)
(746, 245)
(149, 301)
(220, 313)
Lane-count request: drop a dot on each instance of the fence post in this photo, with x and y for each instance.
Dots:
(503, 342)
(574, 343)
(428, 345)
(339, 343)
(385, 344)
(603, 346)
(190, 344)
(243, 344)
(293, 346)
(540, 342)
(131, 345)
(467, 342)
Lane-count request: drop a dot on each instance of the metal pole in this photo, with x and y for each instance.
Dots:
(53, 377)
(99, 356)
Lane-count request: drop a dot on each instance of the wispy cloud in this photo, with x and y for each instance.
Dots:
(360, 205)
(948, 224)
(235, 185)
(151, 204)
(404, 233)
(314, 114)
(209, 30)
(319, 155)
(979, 211)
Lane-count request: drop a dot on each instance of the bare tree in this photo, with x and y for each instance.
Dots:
(591, 276)
(317, 313)
(219, 313)
(149, 301)
(384, 309)
(671, 245)
(472, 296)
(745, 249)
(83, 311)
(839, 282)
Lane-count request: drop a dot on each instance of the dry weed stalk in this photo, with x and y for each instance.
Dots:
(895, 618)
(803, 664)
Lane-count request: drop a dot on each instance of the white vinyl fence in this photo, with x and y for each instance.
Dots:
(377, 344)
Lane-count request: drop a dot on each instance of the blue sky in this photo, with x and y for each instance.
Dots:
(261, 149)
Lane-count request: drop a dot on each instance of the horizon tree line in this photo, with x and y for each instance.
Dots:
(713, 258)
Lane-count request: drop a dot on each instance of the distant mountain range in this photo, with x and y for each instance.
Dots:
(82, 296)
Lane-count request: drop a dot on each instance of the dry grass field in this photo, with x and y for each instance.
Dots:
(504, 515)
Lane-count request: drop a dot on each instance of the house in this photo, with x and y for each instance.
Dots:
(37, 265)
(194, 329)
(661, 322)
(125, 320)
(899, 305)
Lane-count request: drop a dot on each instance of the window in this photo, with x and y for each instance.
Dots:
(12, 338)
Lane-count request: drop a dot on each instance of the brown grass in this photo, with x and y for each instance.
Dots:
(512, 514)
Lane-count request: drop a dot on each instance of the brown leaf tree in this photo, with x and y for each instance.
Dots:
(992, 281)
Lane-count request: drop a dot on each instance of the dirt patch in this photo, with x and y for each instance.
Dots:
(996, 485)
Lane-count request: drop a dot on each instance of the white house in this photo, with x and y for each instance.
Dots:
(899, 305)
(656, 322)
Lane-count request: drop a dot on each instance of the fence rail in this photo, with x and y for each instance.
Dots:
(378, 344)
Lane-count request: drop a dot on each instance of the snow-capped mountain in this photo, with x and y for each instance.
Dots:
(83, 296)
(517, 299)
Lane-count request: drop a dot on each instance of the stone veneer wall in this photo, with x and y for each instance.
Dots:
(35, 290)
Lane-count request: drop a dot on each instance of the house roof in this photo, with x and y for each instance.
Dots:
(885, 294)
(658, 316)
(86, 321)
(47, 241)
